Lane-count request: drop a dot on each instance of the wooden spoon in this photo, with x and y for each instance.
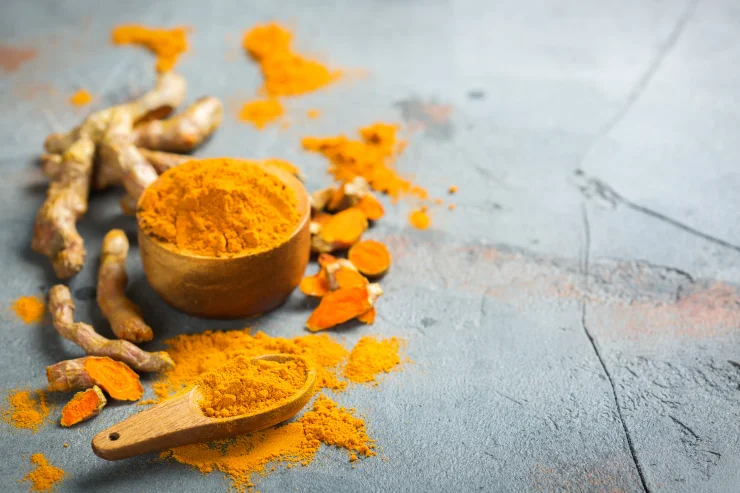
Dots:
(180, 421)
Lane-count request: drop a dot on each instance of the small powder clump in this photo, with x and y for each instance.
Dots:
(45, 476)
(420, 219)
(370, 357)
(286, 73)
(30, 309)
(26, 409)
(80, 98)
(219, 207)
(246, 386)
(371, 158)
(331, 424)
(167, 44)
(261, 112)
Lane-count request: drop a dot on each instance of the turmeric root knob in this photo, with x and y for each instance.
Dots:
(371, 257)
(124, 316)
(83, 406)
(61, 307)
(116, 378)
(342, 230)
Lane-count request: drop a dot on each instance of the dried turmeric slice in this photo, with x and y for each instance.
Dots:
(348, 278)
(368, 317)
(83, 406)
(115, 377)
(371, 207)
(343, 305)
(371, 257)
(316, 285)
(341, 231)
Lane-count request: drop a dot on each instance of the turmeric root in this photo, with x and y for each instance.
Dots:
(124, 316)
(343, 305)
(115, 377)
(61, 307)
(184, 132)
(342, 230)
(333, 274)
(316, 285)
(55, 232)
(370, 257)
(162, 161)
(368, 317)
(83, 406)
(355, 193)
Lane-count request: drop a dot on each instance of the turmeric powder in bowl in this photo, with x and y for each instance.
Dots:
(247, 386)
(219, 207)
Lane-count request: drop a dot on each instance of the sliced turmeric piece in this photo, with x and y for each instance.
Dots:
(343, 274)
(115, 377)
(371, 207)
(371, 257)
(343, 305)
(316, 285)
(341, 231)
(368, 317)
(83, 406)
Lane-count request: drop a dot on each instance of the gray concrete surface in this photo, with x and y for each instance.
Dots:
(574, 322)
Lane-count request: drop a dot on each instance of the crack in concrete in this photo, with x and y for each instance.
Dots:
(607, 193)
(597, 352)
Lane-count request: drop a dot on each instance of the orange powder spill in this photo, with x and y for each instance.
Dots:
(371, 158)
(420, 219)
(313, 114)
(45, 476)
(292, 444)
(166, 44)
(370, 357)
(261, 112)
(30, 309)
(247, 457)
(286, 73)
(80, 98)
(26, 409)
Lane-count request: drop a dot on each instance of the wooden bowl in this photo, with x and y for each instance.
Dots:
(232, 287)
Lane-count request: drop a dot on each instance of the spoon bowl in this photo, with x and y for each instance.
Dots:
(180, 421)
(231, 287)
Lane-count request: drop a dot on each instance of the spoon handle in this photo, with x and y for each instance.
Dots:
(167, 425)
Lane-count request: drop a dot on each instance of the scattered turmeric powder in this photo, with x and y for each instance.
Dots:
(296, 443)
(329, 423)
(371, 158)
(116, 378)
(244, 458)
(451, 207)
(45, 476)
(370, 357)
(286, 73)
(124, 316)
(166, 44)
(343, 305)
(80, 98)
(371, 257)
(219, 207)
(439, 201)
(261, 112)
(246, 386)
(313, 114)
(30, 309)
(83, 406)
(452, 190)
(419, 218)
(26, 409)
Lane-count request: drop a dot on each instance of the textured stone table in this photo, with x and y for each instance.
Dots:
(574, 322)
